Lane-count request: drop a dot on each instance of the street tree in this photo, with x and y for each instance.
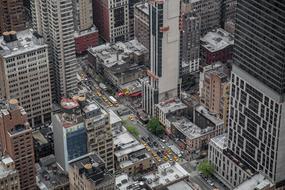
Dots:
(155, 127)
(206, 168)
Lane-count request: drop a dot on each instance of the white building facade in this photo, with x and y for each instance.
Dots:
(164, 54)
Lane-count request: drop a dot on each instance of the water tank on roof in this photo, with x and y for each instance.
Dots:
(6, 37)
(13, 36)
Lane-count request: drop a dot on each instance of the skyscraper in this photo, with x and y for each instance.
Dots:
(112, 19)
(24, 74)
(53, 19)
(16, 141)
(164, 53)
(257, 105)
(11, 15)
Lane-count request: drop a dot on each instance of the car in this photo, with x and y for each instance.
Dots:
(163, 140)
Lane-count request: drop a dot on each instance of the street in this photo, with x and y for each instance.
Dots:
(158, 148)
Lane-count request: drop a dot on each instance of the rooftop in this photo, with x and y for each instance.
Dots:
(124, 182)
(75, 110)
(256, 182)
(210, 116)
(114, 118)
(220, 141)
(92, 167)
(125, 144)
(170, 106)
(5, 169)
(181, 185)
(38, 136)
(111, 55)
(217, 39)
(144, 7)
(49, 175)
(189, 129)
(7, 106)
(166, 174)
(24, 41)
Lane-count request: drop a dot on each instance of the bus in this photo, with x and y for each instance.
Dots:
(113, 100)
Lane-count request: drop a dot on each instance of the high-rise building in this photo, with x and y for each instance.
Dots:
(164, 54)
(89, 172)
(190, 40)
(16, 141)
(229, 11)
(141, 23)
(99, 134)
(256, 118)
(11, 15)
(112, 19)
(214, 91)
(132, 4)
(24, 74)
(9, 176)
(54, 20)
(86, 34)
(70, 138)
(208, 10)
(80, 128)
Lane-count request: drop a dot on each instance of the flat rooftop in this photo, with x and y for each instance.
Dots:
(50, 175)
(172, 105)
(144, 7)
(166, 174)
(203, 111)
(256, 182)
(114, 118)
(189, 129)
(124, 182)
(26, 41)
(217, 40)
(181, 185)
(126, 144)
(38, 136)
(220, 141)
(4, 170)
(115, 54)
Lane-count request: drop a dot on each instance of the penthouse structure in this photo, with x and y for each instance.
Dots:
(89, 172)
(9, 176)
(216, 45)
(120, 63)
(164, 54)
(16, 141)
(12, 16)
(24, 74)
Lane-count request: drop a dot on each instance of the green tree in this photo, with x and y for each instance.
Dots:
(206, 168)
(154, 126)
(131, 129)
